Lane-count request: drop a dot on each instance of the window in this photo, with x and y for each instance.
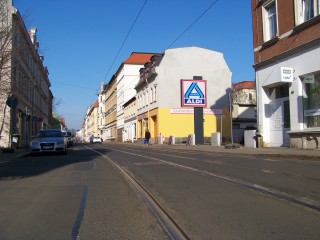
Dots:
(306, 10)
(270, 28)
(311, 100)
(147, 98)
(281, 91)
(151, 96)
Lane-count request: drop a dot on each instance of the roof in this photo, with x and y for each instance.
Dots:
(244, 85)
(96, 104)
(139, 58)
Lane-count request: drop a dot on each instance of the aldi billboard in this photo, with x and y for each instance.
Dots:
(193, 93)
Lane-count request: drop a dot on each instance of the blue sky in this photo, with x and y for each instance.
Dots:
(80, 39)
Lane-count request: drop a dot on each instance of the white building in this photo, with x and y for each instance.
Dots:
(127, 78)
(160, 99)
(287, 50)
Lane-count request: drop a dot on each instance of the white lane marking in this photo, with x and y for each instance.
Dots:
(268, 171)
(272, 160)
(214, 162)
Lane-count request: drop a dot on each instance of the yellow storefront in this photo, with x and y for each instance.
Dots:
(180, 123)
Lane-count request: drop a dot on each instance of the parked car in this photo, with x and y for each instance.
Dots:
(67, 134)
(96, 140)
(51, 140)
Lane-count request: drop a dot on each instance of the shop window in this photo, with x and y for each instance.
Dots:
(311, 100)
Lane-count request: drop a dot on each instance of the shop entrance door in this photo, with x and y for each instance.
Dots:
(279, 123)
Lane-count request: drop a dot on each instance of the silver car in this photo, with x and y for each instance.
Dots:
(51, 140)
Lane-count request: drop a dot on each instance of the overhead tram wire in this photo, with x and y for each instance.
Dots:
(73, 85)
(125, 39)
(187, 29)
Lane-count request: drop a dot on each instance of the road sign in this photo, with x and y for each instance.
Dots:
(12, 101)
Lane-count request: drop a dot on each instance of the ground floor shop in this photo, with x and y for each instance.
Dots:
(19, 125)
(289, 100)
(109, 132)
(179, 122)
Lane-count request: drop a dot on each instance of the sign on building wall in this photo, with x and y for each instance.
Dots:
(311, 112)
(286, 74)
(206, 111)
(193, 93)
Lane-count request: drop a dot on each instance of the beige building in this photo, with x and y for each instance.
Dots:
(92, 121)
(25, 96)
(244, 109)
(108, 111)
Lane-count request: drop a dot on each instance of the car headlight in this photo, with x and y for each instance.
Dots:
(60, 142)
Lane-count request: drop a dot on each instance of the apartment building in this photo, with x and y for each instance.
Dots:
(108, 110)
(130, 120)
(127, 77)
(25, 96)
(286, 61)
(172, 84)
(91, 121)
(244, 109)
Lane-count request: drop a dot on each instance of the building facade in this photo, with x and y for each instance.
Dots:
(26, 99)
(286, 55)
(108, 126)
(91, 122)
(160, 107)
(127, 78)
(130, 120)
(244, 109)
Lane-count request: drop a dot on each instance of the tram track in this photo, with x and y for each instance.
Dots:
(272, 172)
(170, 227)
(298, 200)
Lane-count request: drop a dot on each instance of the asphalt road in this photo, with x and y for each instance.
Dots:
(84, 195)
(73, 196)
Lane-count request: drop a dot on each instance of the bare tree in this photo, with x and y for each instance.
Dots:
(5, 60)
(56, 102)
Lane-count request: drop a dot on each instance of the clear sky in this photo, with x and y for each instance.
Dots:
(80, 39)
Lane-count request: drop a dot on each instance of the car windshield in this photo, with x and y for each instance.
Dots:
(49, 134)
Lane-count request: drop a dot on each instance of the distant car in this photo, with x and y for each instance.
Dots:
(67, 134)
(96, 140)
(51, 140)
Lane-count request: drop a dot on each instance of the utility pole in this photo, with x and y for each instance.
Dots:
(230, 110)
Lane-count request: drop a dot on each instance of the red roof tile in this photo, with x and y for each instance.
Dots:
(138, 58)
(96, 104)
(244, 85)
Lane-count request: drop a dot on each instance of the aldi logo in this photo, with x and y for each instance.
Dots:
(193, 93)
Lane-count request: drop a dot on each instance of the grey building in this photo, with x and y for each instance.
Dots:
(26, 99)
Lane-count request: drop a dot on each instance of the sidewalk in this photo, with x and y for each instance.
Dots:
(4, 157)
(276, 152)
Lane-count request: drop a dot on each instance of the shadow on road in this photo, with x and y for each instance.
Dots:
(36, 164)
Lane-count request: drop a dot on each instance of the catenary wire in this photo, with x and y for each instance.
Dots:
(187, 29)
(125, 39)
